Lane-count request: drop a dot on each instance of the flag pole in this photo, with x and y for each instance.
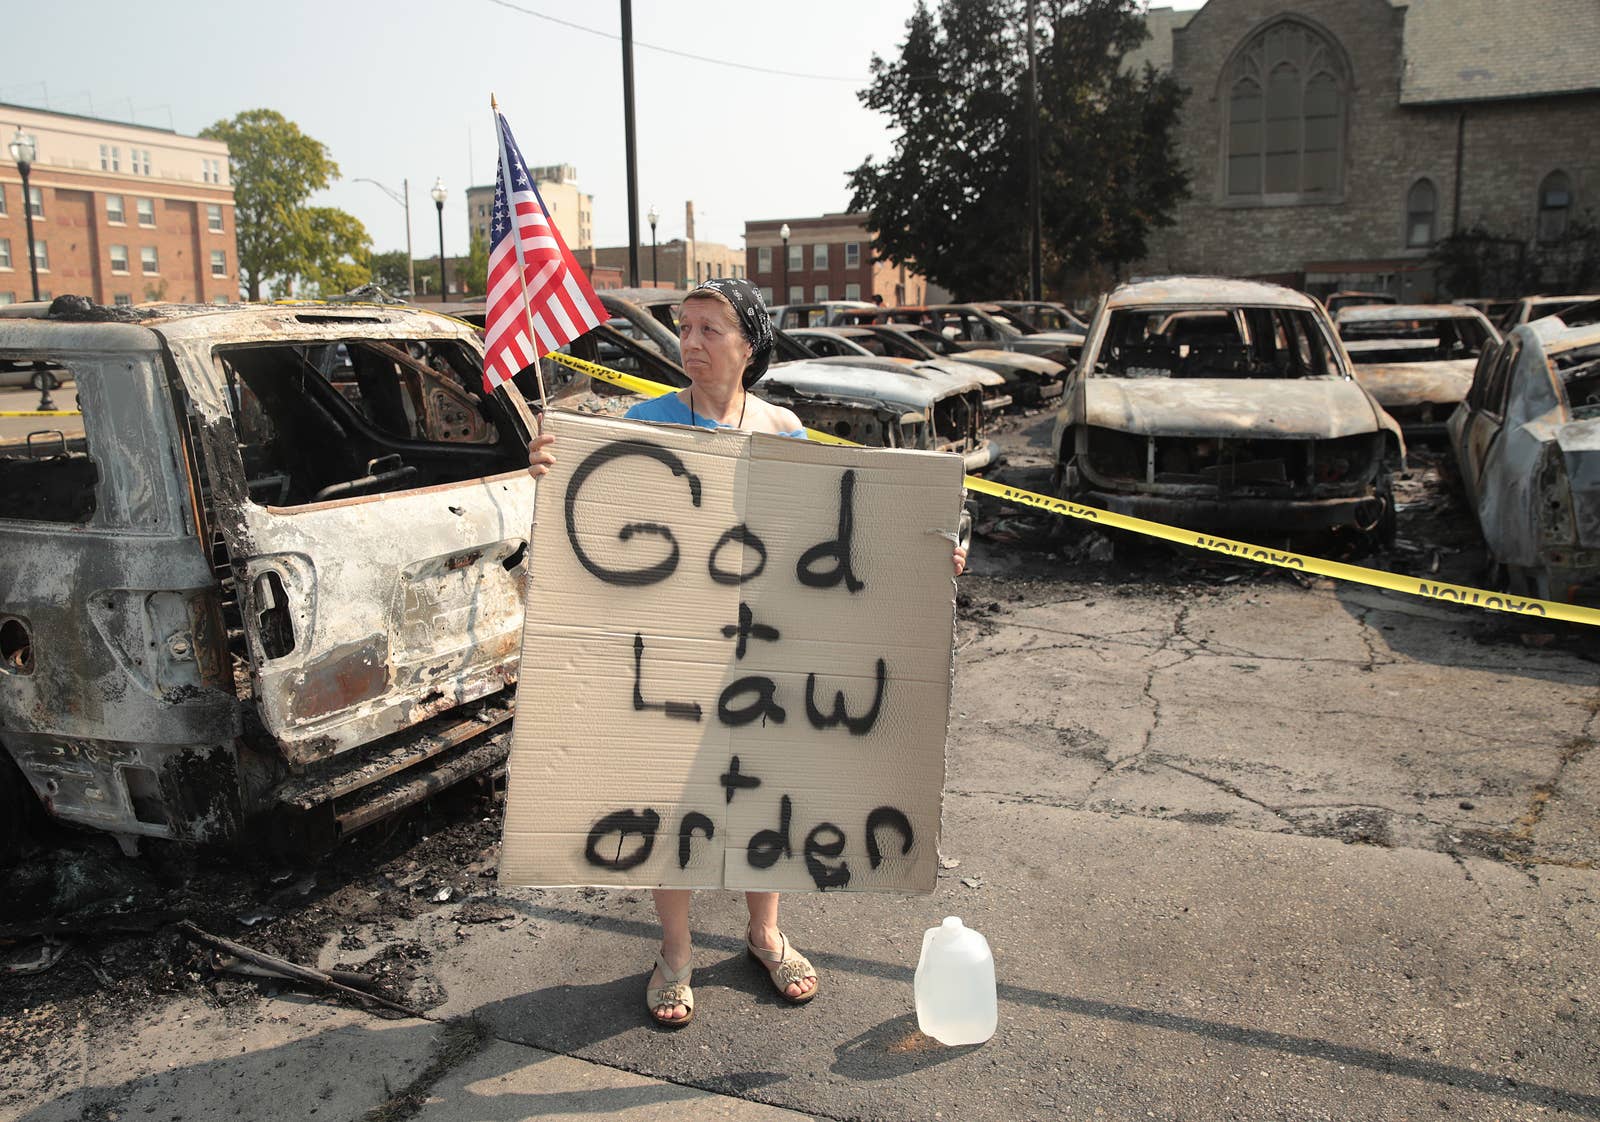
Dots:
(522, 264)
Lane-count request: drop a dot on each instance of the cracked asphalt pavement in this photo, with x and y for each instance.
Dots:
(1245, 845)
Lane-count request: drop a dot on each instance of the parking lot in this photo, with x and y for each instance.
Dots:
(1245, 845)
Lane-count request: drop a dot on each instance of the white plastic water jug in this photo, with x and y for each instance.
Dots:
(955, 985)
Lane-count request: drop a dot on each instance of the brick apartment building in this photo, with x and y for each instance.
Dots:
(1332, 143)
(829, 258)
(679, 263)
(121, 213)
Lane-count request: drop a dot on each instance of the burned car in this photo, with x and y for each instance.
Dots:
(272, 577)
(1416, 359)
(1219, 404)
(862, 346)
(1031, 380)
(886, 408)
(1527, 444)
(1043, 315)
(1530, 308)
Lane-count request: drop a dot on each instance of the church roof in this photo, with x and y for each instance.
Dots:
(1478, 50)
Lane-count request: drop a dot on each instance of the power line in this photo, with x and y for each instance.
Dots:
(670, 51)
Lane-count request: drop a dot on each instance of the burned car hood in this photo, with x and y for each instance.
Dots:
(1011, 360)
(1319, 410)
(896, 388)
(1417, 383)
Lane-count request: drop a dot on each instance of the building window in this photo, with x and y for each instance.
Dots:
(122, 300)
(116, 159)
(219, 263)
(114, 211)
(852, 255)
(764, 259)
(211, 171)
(119, 259)
(819, 256)
(797, 257)
(214, 217)
(1422, 209)
(147, 211)
(8, 297)
(1285, 117)
(766, 295)
(797, 294)
(220, 298)
(105, 157)
(147, 259)
(820, 292)
(1555, 206)
(36, 201)
(5, 253)
(852, 291)
(41, 257)
(2, 200)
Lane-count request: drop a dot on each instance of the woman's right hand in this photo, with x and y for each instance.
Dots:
(540, 458)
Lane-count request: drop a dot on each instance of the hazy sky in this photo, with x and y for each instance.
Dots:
(401, 90)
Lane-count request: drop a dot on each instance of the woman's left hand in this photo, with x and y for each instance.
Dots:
(961, 560)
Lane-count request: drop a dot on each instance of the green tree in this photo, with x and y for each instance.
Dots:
(472, 271)
(951, 200)
(275, 169)
(390, 273)
(333, 251)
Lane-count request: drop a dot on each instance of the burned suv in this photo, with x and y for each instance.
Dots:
(271, 575)
(1218, 404)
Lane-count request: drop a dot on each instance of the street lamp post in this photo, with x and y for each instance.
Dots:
(655, 277)
(405, 201)
(783, 232)
(439, 194)
(23, 152)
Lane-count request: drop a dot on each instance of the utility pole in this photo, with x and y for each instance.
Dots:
(627, 129)
(1035, 238)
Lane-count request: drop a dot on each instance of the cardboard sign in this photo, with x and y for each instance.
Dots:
(735, 665)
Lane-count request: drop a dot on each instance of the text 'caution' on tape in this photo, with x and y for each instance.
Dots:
(1338, 570)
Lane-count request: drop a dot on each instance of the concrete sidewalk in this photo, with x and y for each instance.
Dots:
(291, 1057)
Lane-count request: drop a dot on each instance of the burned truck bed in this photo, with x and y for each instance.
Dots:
(270, 583)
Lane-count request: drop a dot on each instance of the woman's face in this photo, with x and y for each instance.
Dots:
(715, 351)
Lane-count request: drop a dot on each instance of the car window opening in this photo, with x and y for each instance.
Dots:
(323, 421)
(48, 474)
(1215, 343)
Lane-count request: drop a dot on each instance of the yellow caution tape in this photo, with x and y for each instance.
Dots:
(1338, 570)
(40, 413)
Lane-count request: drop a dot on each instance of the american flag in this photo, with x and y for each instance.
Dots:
(560, 305)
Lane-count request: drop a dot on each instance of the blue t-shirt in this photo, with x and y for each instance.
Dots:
(667, 409)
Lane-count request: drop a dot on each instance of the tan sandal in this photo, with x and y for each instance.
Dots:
(785, 966)
(673, 990)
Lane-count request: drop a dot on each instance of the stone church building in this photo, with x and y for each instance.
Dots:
(1331, 143)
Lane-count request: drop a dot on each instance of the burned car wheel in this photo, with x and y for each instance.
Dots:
(44, 380)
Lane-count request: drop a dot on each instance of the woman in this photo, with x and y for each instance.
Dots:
(726, 339)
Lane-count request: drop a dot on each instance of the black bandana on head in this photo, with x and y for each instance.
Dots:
(753, 321)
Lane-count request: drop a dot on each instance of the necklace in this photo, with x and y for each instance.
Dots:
(743, 401)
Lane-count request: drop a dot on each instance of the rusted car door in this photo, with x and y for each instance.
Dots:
(369, 602)
(1486, 406)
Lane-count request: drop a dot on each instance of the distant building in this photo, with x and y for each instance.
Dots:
(1332, 143)
(680, 263)
(571, 210)
(122, 213)
(829, 258)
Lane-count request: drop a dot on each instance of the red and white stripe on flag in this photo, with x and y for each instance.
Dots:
(547, 302)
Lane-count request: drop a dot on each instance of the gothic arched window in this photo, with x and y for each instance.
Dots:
(1422, 211)
(1285, 125)
(1555, 204)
